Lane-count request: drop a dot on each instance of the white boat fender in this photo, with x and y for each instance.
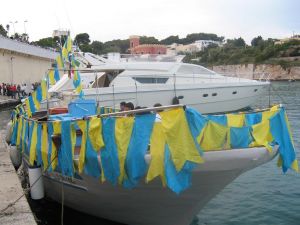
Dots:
(9, 130)
(36, 182)
(15, 156)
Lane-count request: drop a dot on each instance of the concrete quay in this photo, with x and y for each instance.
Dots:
(10, 190)
(7, 102)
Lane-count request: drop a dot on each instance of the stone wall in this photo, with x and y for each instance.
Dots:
(251, 71)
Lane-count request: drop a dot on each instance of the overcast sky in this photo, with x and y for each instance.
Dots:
(117, 19)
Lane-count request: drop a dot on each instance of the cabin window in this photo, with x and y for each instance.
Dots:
(151, 80)
(255, 90)
(234, 92)
(205, 95)
(214, 94)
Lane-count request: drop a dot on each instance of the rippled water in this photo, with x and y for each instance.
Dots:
(261, 196)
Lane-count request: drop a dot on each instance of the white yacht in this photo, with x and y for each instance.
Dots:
(147, 80)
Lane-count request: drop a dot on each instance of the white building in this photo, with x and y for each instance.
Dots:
(21, 62)
(201, 44)
(197, 46)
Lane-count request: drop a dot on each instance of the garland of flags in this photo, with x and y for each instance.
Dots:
(177, 143)
(64, 58)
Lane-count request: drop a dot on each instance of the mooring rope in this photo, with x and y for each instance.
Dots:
(26, 191)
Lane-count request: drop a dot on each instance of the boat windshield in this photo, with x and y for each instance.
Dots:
(106, 79)
(194, 69)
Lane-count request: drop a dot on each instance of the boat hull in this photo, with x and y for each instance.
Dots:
(206, 98)
(152, 204)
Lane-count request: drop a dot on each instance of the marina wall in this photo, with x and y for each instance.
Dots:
(252, 71)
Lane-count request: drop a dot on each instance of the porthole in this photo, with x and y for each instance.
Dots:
(255, 90)
(234, 92)
(214, 94)
(205, 95)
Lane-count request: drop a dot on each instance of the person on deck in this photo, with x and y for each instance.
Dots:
(122, 106)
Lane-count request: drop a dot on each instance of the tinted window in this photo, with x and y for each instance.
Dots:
(151, 80)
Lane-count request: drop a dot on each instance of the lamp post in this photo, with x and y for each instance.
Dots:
(13, 23)
(25, 34)
(25, 21)
(12, 71)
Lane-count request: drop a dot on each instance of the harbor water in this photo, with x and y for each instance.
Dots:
(259, 197)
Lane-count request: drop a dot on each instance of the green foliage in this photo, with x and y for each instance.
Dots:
(97, 47)
(256, 41)
(82, 39)
(236, 42)
(170, 40)
(190, 38)
(262, 51)
(86, 48)
(3, 32)
(148, 40)
(48, 42)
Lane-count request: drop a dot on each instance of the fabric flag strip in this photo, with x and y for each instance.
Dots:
(123, 132)
(109, 153)
(175, 125)
(281, 135)
(136, 166)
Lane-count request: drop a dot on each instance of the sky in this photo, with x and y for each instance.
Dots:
(106, 20)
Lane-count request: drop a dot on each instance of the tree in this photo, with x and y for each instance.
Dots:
(148, 40)
(190, 38)
(3, 32)
(97, 47)
(82, 39)
(256, 41)
(170, 40)
(237, 42)
(48, 42)
(86, 48)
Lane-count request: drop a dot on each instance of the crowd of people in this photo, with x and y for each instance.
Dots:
(17, 90)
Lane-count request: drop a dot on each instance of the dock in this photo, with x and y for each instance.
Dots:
(7, 102)
(10, 190)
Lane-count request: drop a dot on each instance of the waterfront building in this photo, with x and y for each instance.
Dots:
(197, 46)
(284, 40)
(137, 48)
(22, 62)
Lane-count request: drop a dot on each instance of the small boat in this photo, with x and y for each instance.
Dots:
(137, 174)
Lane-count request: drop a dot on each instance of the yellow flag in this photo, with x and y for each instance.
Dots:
(56, 130)
(59, 62)
(51, 77)
(95, 133)
(35, 101)
(44, 89)
(123, 130)
(157, 149)
(179, 138)
(19, 131)
(32, 151)
(214, 136)
(44, 145)
(28, 109)
(235, 120)
(82, 124)
(262, 135)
